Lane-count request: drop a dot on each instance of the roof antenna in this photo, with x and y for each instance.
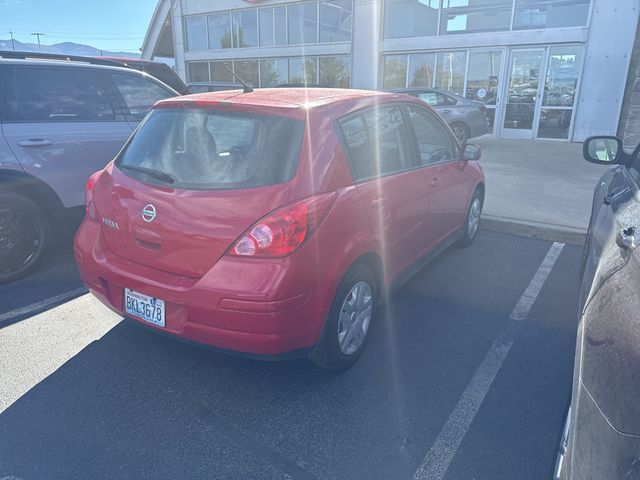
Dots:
(247, 88)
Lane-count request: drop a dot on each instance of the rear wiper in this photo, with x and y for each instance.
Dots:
(157, 174)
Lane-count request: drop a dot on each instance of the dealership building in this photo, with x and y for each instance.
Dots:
(545, 69)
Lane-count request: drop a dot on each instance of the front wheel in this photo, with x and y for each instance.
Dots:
(23, 235)
(347, 326)
(470, 227)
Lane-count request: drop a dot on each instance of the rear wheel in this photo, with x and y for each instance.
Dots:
(472, 221)
(348, 324)
(461, 131)
(23, 235)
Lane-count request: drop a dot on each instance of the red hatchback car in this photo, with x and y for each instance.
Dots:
(271, 223)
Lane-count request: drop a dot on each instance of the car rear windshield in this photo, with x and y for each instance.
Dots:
(211, 149)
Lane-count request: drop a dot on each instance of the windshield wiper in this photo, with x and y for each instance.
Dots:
(157, 174)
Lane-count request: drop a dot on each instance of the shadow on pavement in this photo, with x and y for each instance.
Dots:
(57, 275)
(135, 404)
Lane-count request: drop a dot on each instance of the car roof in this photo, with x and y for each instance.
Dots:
(78, 64)
(279, 97)
(137, 61)
(62, 63)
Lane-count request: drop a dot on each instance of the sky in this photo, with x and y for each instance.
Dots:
(115, 25)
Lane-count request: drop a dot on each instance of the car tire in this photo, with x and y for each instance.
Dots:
(24, 235)
(354, 305)
(472, 220)
(461, 131)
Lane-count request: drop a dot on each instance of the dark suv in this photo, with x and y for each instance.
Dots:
(60, 122)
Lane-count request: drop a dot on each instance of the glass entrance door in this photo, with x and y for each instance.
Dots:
(522, 93)
(560, 86)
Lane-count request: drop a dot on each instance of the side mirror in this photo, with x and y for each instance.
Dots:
(603, 150)
(471, 152)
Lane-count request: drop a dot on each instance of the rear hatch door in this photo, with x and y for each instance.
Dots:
(191, 181)
(179, 231)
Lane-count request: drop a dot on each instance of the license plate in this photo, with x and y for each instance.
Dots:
(145, 307)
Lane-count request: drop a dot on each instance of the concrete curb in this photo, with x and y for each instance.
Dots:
(523, 228)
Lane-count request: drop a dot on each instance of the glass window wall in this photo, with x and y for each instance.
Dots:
(550, 13)
(303, 23)
(219, 31)
(425, 18)
(472, 16)
(410, 18)
(450, 70)
(395, 71)
(421, 69)
(245, 28)
(329, 71)
(273, 26)
(560, 85)
(335, 71)
(196, 33)
(335, 21)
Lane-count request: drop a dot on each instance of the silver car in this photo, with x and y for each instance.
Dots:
(60, 121)
(466, 117)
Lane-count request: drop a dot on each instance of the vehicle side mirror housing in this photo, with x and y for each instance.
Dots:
(603, 150)
(471, 152)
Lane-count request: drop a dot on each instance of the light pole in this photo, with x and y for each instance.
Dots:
(13, 43)
(37, 34)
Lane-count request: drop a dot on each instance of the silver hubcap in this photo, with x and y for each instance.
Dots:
(474, 217)
(355, 317)
(460, 133)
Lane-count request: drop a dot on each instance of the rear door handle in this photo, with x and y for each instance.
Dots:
(435, 183)
(35, 142)
(382, 205)
(446, 110)
(379, 203)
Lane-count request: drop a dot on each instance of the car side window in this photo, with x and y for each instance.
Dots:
(139, 94)
(435, 143)
(444, 100)
(436, 99)
(38, 94)
(377, 143)
(430, 98)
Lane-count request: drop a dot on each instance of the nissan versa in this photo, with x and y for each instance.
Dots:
(271, 222)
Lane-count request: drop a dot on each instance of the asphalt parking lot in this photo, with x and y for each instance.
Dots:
(450, 385)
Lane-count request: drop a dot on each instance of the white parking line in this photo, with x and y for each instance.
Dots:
(435, 464)
(42, 305)
(522, 308)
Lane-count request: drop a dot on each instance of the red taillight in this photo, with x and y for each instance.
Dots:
(283, 231)
(89, 207)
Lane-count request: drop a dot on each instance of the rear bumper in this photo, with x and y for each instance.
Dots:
(478, 124)
(266, 309)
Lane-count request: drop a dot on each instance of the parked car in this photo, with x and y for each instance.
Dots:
(271, 223)
(602, 433)
(159, 70)
(61, 121)
(467, 118)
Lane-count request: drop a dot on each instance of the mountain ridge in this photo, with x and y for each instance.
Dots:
(64, 48)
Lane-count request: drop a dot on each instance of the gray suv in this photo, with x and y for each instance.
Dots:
(60, 121)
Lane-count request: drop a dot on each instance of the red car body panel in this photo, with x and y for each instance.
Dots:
(266, 306)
